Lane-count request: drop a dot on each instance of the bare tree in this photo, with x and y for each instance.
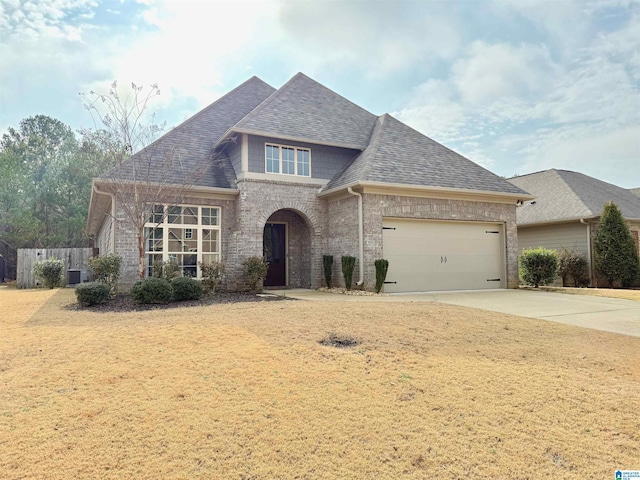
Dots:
(150, 170)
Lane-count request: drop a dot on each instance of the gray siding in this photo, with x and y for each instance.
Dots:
(572, 236)
(235, 155)
(326, 161)
(104, 237)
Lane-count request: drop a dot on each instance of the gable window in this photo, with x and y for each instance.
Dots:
(287, 160)
(186, 235)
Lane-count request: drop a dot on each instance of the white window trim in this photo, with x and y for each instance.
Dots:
(295, 161)
(165, 225)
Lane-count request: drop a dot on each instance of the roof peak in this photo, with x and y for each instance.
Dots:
(305, 109)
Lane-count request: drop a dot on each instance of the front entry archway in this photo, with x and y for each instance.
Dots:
(287, 249)
(275, 254)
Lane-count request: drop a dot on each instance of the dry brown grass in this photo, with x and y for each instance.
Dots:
(598, 292)
(245, 391)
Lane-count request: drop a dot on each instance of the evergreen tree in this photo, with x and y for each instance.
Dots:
(615, 253)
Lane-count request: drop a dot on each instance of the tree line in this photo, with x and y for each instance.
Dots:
(45, 184)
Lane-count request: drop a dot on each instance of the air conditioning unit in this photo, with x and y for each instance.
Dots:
(77, 275)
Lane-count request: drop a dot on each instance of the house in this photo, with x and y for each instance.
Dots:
(635, 191)
(300, 172)
(566, 211)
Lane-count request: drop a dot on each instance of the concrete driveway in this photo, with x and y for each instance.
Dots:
(608, 314)
(600, 313)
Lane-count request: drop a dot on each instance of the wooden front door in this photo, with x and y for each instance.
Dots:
(275, 253)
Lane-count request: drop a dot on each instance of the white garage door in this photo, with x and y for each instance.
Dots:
(426, 255)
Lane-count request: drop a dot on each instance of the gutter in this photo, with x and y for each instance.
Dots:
(430, 189)
(360, 235)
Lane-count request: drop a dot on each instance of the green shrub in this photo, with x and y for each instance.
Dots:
(166, 270)
(152, 290)
(255, 271)
(92, 293)
(538, 266)
(382, 266)
(186, 288)
(614, 250)
(348, 264)
(50, 272)
(106, 269)
(572, 265)
(212, 275)
(327, 265)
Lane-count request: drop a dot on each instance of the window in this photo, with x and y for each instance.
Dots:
(186, 235)
(287, 160)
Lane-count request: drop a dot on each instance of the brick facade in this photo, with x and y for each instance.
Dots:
(318, 226)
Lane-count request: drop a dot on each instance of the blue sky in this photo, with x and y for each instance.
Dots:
(516, 86)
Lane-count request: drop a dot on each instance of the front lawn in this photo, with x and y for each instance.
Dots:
(246, 391)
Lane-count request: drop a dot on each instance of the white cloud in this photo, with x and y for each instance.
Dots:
(612, 156)
(493, 72)
(381, 38)
(190, 47)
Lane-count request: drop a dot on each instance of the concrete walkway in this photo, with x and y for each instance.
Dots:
(600, 313)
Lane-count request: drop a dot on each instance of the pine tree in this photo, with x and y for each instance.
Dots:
(615, 253)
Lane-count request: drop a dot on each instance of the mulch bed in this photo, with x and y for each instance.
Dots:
(124, 303)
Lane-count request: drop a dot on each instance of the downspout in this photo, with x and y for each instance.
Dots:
(113, 216)
(360, 234)
(591, 269)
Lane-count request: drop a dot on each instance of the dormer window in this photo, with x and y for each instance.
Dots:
(287, 160)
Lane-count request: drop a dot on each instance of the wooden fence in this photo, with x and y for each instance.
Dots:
(74, 258)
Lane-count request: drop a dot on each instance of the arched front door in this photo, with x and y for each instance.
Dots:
(275, 253)
(287, 248)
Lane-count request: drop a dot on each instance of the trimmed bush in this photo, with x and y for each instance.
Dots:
(167, 270)
(152, 290)
(186, 288)
(106, 269)
(327, 265)
(348, 264)
(92, 293)
(573, 266)
(50, 272)
(212, 274)
(382, 266)
(615, 254)
(255, 271)
(538, 266)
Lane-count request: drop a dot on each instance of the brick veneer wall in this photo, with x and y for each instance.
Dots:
(257, 202)
(319, 226)
(342, 227)
(126, 242)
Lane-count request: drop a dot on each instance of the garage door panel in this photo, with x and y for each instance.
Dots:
(432, 255)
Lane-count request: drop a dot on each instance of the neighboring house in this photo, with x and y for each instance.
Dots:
(300, 172)
(566, 211)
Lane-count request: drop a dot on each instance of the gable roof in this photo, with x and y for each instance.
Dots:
(566, 195)
(635, 191)
(305, 110)
(189, 146)
(398, 154)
